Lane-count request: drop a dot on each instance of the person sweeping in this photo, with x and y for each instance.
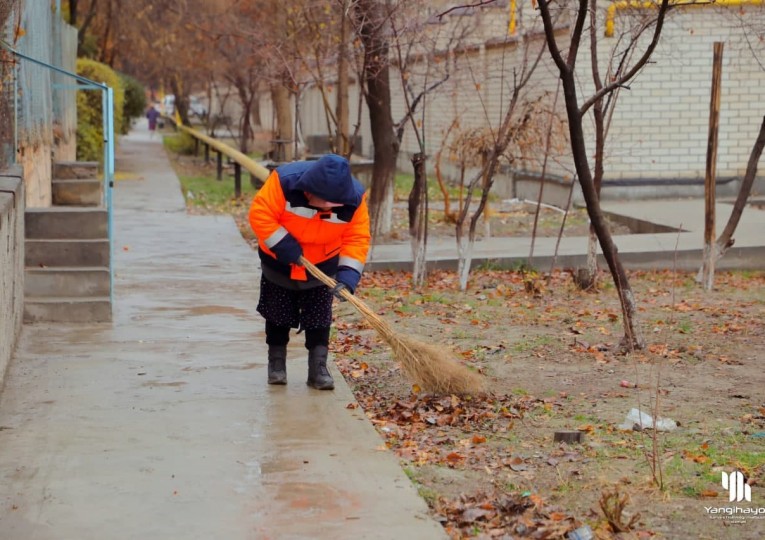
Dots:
(315, 210)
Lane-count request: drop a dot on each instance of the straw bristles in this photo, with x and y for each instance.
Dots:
(432, 367)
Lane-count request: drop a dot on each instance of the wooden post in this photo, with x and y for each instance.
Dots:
(708, 269)
(219, 168)
(237, 180)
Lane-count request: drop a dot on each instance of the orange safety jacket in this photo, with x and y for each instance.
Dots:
(329, 238)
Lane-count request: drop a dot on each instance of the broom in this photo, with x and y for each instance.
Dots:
(432, 367)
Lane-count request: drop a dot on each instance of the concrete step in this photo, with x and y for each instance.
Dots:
(77, 192)
(66, 282)
(67, 310)
(75, 169)
(64, 252)
(66, 222)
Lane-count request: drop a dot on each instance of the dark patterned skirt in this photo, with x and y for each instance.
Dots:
(307, 309)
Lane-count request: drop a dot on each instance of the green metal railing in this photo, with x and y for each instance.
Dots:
(83, 83)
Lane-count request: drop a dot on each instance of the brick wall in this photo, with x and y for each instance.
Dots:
(659, 126)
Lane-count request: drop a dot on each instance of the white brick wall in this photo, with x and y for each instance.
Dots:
(659, 127)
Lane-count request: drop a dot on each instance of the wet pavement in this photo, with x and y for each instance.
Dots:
(160, 425)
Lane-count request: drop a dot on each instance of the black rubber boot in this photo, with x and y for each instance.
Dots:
(277, 364)
(318, 374)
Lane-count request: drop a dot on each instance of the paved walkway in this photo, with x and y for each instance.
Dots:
(161, 426)
(680, 247)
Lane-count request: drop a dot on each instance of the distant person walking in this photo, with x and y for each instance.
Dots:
(153, 116)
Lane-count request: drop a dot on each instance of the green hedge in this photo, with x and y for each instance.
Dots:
(135, 101)
(90, 139)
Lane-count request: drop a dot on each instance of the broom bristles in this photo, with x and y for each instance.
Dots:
(432, 367)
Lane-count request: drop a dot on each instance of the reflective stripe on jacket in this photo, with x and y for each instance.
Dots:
(329, 238)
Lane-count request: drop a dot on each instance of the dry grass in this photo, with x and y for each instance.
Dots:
(432, 367)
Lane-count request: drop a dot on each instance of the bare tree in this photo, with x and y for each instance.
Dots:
(725, 241)
(421, 57)
(372, 23)
(487, 146)
(575, 112)
(618, 61)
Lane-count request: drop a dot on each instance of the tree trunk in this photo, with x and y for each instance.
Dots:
(342, 113)
(280, 96)
(181, 101)
(257, 122)
(377, 81)
(73, 14)
(245, 128)
(464, 254)
(633, 338)
(418, 222)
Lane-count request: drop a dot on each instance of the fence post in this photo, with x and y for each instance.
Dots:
(710, 181)
(207, 153)
(237, 180)
(220, 165)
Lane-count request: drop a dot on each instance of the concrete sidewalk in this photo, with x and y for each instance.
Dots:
(680, 247)
(160, 425)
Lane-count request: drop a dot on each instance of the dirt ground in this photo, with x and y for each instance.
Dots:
(488, 465)
(548, 362)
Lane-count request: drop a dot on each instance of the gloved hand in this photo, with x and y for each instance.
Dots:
(287, 250)
(347, 278)
(337, 291)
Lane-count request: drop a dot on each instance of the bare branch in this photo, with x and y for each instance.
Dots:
(620, 82)
(552, 45)
(466, 6)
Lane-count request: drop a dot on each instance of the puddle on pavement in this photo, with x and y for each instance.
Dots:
(316, 499)
(235, 367)
(208, 310)
(271, 467)
(160, 384)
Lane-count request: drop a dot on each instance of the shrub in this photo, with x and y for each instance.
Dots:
(180, 143)
(90, 139)
(135, 101)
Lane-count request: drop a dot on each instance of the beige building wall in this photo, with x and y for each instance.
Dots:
(659, 126)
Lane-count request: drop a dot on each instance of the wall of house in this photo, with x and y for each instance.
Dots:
(11, 263)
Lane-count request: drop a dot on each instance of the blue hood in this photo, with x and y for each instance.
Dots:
(329, 178)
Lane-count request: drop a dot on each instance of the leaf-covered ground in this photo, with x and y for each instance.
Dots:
(488, 466)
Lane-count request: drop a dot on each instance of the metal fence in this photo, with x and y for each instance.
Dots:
(64, 91)
(34, 109)
(7, 116)
(36, 104)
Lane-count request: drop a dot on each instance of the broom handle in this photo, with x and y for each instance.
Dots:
(365, 310)
(324, 278)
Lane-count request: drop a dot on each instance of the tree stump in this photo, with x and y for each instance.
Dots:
(568, 437)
